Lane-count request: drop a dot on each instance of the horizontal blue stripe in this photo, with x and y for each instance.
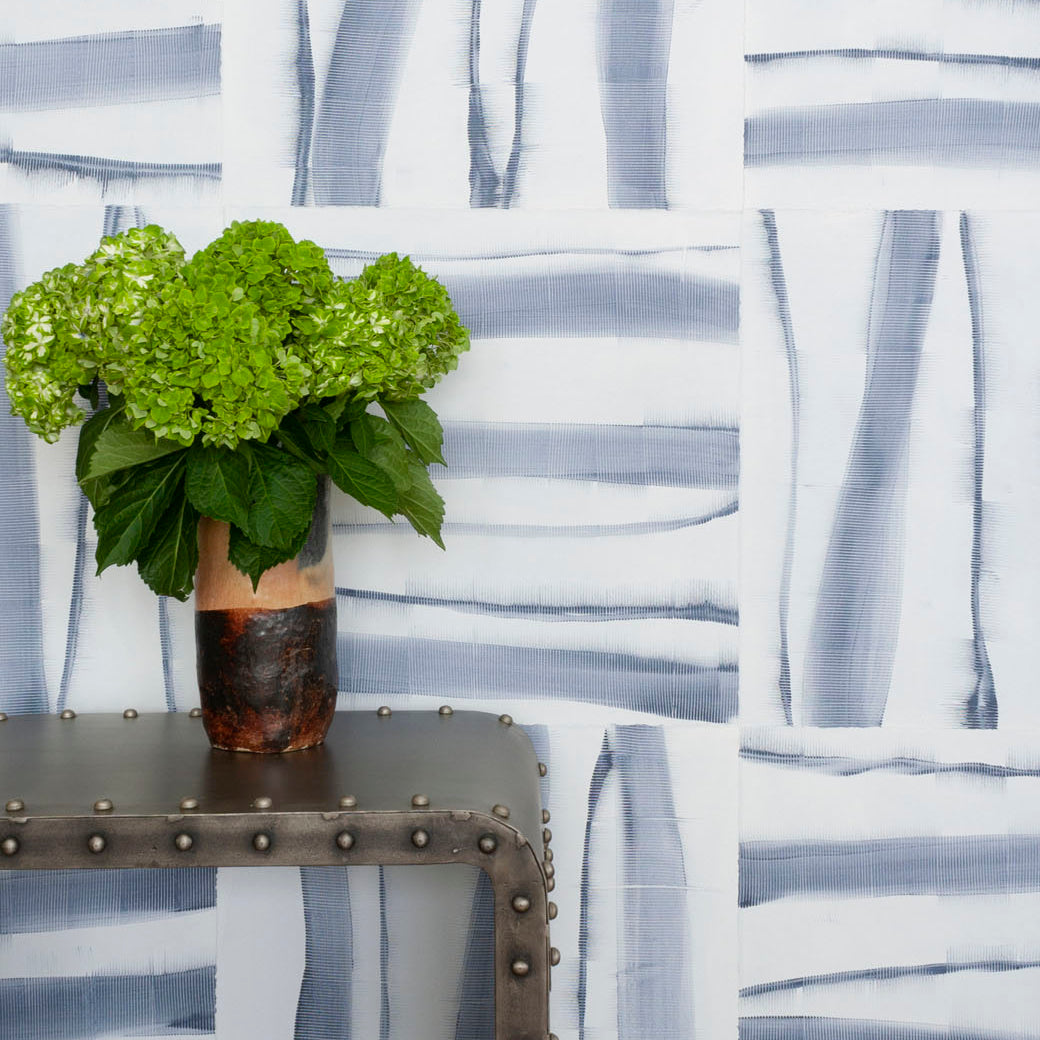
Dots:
(808, 1027)
(400, 665)
(105, 170)
(893, 54)
(847, 765)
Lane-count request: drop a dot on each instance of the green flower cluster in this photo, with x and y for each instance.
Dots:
(219, 349)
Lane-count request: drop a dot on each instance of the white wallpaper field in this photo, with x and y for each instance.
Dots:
(741, 502)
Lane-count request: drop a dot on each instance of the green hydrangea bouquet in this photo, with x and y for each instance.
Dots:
(227, 384)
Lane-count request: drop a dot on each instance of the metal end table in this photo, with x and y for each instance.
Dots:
(445, 786)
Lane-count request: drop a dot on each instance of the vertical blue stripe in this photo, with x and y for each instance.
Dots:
(852, 639)
(513, 163)
(305, 85)
(323, 1011)
(483, 180)
(21, 620)
(981, 709)
(654, 996)
(384, 962)
(476, 1017)
(354, 116)
(776, 272)
(635, 38)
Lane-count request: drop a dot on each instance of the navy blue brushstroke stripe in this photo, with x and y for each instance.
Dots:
(604, 764)
(642, 527)
(664, 456)
(384, 962)
(581, 612)
(79, 1007)
(654, 994)
(852, 639)
(776, 272)
(886, 974)
(1007, 61)
(516, 148)
(21, 623)
(439, 668)
(484, 188)
(981, 709)
(357, 104)
(844, 765)
(476, 1016)
(105, 170)
(166, 651)
(961, 132)
(634, 40)
(809, 1027)
(323, 1011)
(946, 865)
(620, 299)
(48, 900)
(305, 86)
(110, 68)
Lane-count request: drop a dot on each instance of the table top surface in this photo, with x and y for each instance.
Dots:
(146, 766)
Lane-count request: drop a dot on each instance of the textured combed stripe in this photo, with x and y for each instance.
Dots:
(849, 765)
(974, 864)
(21, 624)
(77, 1008)
(666, 456)
(476, 1018)
(809, 1027)
(42, 901)
(620, 299)
(374, 664)
(105, 170)
(852, 641)
(111, 68)
(353, 117)
(969, 132)
(634, 40)
(1004, 61)
(324, 1007)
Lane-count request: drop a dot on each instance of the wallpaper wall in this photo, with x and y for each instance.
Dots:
(741, 495)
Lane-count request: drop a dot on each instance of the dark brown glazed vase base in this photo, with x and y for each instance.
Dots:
(267, 678)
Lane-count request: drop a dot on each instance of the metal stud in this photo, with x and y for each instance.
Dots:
(543, 769)
(183, 842)
(3, 716)
(130, 713)
(420, 801)
(506, 720)
(96, 843)
(103, 805)
(487, 843)
(445, 709)
(546, 835)
(548, 854)
(195, 713)
(345, 840)
(263, 802)
(189, 803)
(546, 817)
(520, 968)
(554, 956)
(553, 1036)
(550, 870)
(68, 713)
(521, 904)
(15, 805)
(261, 842)
(9, 846)
(420, 838)
(550, 884)
(553, 911)
(501, 810)
(384, 712)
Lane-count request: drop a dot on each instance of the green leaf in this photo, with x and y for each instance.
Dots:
(293, 438)
(217, 483)
(252, 559)
(119, 446)
(169, 561)
(362, 436)
(361, 479)
(319, 426)
(418, 424)
(126, 521)
(421, 503)
(282, 493)
(95, 489)
(385, 447)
